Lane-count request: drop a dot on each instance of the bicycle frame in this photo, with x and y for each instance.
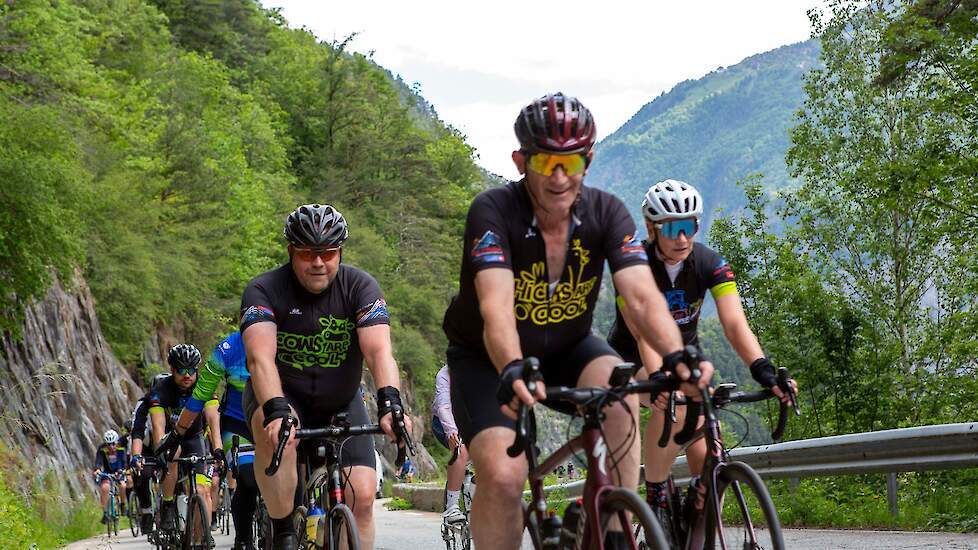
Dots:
(597, 482)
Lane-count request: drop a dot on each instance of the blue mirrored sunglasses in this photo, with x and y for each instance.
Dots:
(671, 230)
(186, 371)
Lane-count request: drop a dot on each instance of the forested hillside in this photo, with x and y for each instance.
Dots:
(711, 131)
(159, 145)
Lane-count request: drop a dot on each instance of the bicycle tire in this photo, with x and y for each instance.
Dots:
(225, 511)
(262, 527)
(196, 511)
(530, 524)
(132, 507)
(745, 497)
(342, 521)
(620, 501)
(108, 515)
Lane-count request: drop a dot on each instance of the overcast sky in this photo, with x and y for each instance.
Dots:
(479, 63)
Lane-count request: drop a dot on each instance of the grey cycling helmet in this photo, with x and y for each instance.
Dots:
(671, 199)
(110, 437)
(316, 226)
(183, 356)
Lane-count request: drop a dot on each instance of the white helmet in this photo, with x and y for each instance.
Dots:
(671, 199)
(110, 437)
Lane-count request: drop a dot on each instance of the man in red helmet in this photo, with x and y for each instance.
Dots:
(533, 258)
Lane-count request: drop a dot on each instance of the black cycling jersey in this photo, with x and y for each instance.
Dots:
(110, 458)
(139, 425)
(501, 231)
(167, 397)
(318, 350)
(702, 270)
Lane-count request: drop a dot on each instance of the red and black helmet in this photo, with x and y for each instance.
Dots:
(555, 123)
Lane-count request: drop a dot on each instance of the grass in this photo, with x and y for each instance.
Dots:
(398, 503)
(33, 509)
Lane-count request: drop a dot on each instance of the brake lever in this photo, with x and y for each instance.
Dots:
(668, 419)
(784, 381)
(283, 437)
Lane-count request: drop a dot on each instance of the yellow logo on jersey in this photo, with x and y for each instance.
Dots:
(569, 299)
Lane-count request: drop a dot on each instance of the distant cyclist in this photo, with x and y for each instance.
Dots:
(227, 363)
(110, 460)
(684, 272)
(308, 326)
(446, 432)
(168, 397)
(140, 436)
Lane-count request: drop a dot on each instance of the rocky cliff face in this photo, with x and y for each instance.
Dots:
(61, 387)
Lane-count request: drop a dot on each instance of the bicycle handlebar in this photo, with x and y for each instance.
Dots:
(340, 431)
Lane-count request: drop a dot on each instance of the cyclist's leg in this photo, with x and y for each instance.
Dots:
(244, 502)
(277, 491)
(103, 493)
(244, 488)
(659, 460)
(359, 461)
(497, 517)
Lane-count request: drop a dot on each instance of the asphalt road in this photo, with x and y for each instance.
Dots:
(410, 530)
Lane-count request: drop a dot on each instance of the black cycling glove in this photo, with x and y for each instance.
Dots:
(275, 408)
(511, 373)
(764, 372)
(219, 455)
(388, 398)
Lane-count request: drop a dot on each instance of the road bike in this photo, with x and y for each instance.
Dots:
(112, 508)
(736, 511)
(323, 485)
(585, 523)
(191, 530)
(458, 534)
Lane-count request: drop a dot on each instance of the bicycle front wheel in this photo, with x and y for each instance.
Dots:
(634, 514)
(342, 531)
(132, 508)
(197, 529)
(748, 519)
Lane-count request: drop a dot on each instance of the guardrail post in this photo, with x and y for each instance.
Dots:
(793, 484)
(891, 494)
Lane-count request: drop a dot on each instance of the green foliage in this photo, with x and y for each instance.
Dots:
(37, 512)
(710, 132)
(398, 503)
(926, 501)
(158, 145)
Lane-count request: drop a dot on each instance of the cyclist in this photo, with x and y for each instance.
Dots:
(141, 477)
(110, 459)
(307, 327)
(684, 271)
(533, 259)
(169, 396)
(227, 362)
(446, 432)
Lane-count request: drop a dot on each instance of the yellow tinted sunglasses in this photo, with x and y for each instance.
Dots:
(545, 163)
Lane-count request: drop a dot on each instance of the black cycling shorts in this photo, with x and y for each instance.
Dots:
(356, 451)
(475, 380)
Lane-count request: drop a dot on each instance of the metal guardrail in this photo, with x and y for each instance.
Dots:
(944, 446)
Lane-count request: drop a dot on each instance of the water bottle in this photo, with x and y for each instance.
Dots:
(568, 531)
(312, 522)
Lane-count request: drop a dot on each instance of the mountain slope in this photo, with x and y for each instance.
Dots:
(710, 132)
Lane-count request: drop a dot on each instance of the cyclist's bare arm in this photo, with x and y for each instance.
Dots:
(213, 419)
(260, 346)
(736, 329)
(375, 343)
(495, 288)
(157, 420)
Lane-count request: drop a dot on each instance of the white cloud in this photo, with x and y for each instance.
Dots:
(479, 63)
